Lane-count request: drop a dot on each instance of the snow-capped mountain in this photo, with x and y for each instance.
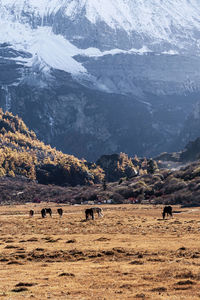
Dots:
(158, 20)
(51, 29)
(144, 50)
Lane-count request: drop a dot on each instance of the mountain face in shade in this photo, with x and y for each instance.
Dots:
(94, 77)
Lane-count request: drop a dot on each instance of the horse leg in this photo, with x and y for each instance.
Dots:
(92, 215)
(100, 215)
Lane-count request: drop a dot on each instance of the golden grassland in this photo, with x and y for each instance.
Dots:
(130, 253)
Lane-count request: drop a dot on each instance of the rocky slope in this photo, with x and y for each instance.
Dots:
(190, 153)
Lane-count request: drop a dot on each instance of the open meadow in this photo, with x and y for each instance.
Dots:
(130, 253)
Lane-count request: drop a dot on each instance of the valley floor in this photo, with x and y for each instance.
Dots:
(130, 253)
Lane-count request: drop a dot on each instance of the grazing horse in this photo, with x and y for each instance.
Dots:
(167, 210)
(43, 213)
(48, 211)
(60, 211)
(31, 213)
(91, 211)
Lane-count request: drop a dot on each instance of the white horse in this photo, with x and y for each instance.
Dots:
(98, 210)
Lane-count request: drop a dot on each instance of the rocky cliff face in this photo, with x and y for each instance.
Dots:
(94, 77)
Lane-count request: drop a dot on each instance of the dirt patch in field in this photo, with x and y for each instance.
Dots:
(19, 290)
(25, 284)
(67, 275)
(73, 255)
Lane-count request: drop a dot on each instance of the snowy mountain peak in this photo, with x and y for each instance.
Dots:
(58, 30)
(156, 18)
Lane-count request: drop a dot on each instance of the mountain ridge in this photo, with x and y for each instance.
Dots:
(142, 16)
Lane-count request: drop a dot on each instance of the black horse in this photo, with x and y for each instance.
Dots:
(89, 212)
(43, 213)
(167, 210)
(48, 211)
(60, 211)
(31, 213)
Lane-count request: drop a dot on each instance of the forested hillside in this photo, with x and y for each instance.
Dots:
(21, 153)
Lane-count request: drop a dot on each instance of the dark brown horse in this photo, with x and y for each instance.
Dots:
(167, 210)
(60, 211)
(31, 213)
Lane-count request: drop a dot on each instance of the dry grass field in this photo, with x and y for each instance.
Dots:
(130, 253)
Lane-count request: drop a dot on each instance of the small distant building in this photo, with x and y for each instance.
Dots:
(90, 202)
(145, 201)
(131, 200)
(109, 201)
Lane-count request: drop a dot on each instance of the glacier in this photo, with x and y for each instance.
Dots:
(53, 49)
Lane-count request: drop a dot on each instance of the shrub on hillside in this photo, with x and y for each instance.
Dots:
(117, 198)
(125, 192)
(173, 184)
(117, 166)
